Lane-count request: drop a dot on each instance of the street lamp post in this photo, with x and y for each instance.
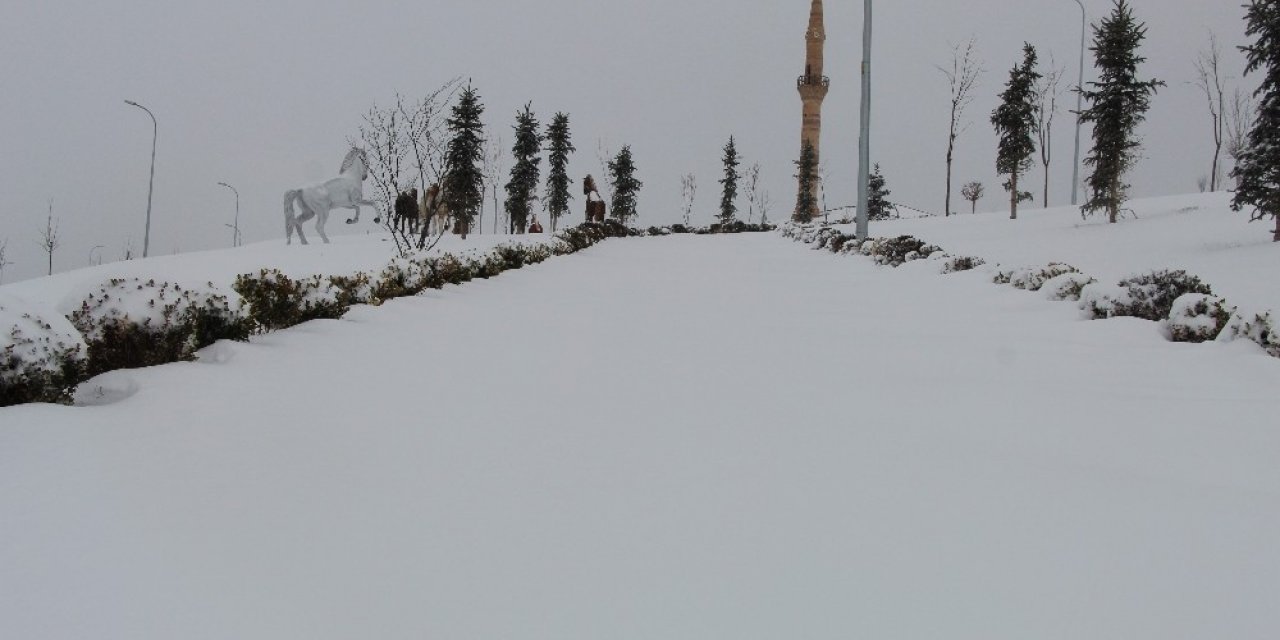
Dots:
(95, 248)
(155, 129)
(1075, 172)
(235, 237)
(864, 135)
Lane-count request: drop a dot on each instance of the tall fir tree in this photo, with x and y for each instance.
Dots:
(806, 176)
(526, 171)
(1118, 103)
(626, 188)
(464, 181)
(878, 205)
(559, 146)
(729, 196)
(1016, 125)
(1257, 170)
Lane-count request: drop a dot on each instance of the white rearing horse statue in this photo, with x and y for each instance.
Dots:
(343, 192)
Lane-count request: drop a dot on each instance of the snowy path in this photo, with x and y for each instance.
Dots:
(687, 437)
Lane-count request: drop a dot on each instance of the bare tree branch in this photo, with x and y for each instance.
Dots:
(1046, 109)
(963, 77)
(1209, 80)
(49, 240)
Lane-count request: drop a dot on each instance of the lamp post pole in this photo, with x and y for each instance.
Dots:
(864, 135)
(1075, 172)
(235, 237)
(155, 129)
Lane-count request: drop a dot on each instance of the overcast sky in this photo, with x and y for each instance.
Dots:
(264, 93)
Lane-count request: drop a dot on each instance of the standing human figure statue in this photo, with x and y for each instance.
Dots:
(343, 192)
(595, 204)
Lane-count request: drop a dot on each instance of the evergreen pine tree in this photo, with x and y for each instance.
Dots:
(1015, 123)
(463, 181)
(526, 172)
(559, 146)
(807, 167)
(622, 171)
(1118, 103)
(1257, 170)
(728, 200)
(878, 205)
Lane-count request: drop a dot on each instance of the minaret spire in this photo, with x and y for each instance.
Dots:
(813, 85)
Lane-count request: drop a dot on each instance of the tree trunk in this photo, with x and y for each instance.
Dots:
(1013, 196)
(951, 147)
(1213, 176)
(1276, 238)
(1046, 185)
(1113, 200)
(974, 208)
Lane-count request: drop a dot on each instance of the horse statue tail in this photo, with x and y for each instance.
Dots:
(289, 220)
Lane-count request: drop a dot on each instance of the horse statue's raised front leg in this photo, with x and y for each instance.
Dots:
(356, 207)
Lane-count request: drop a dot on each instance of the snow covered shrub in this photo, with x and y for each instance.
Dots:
(354, 289)
(40, 360)
(1066, 286)
(401, 277)
(134, 323)
(451, 269)
(853, 246)
(1103, 301)
(894, 252)
(1152, 294)
(277, 301)
(1257, 327)
(837, 242)
(1196, 317)
(956, 264)
(1032, 278)
(679, 228)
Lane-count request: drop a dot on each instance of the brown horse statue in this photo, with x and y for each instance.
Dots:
(595, 204)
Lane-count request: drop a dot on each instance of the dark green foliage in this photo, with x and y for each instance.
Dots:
(729, 196)
(897, 251)
(878, 205)
(1257, 171)
(463, 181)
(622, 172)
(1151, 295)
(1015, 123)
(559, 146)
(525, 173)
(1118, 103)
(807, 175)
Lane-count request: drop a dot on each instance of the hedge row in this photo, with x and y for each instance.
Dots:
(1184, 305)
(131, 323)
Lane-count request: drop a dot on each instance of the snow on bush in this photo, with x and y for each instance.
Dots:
(1196, 317)
(41, 356)
(276, 301)
(956, 264)
(1033, 278)
(1153, 293)
(1256, 327)
(130, 323)
(895, 252)
(1103, 301)
(1066, 286)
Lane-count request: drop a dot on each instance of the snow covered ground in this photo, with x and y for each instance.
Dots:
(680, 437)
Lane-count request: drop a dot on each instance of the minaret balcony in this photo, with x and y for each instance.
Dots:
(813, 81)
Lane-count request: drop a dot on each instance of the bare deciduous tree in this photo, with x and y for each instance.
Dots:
(963, 77)
(1209, 80)
(1239, 122)
(491, 170)
(425, 123)
(973, 192)
(49, 237)
(604, 156)
(688, 191)
(765, 202)
(752, 177)
(385, 138)
(1046, 108)
(4, 262)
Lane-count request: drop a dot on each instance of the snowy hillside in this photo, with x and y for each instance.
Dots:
(676, 437)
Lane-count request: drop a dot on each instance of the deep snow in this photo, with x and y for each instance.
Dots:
(682, 437)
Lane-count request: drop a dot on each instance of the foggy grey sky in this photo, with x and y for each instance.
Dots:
(263, 94)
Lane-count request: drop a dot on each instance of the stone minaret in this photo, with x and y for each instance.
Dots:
(813, 85)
